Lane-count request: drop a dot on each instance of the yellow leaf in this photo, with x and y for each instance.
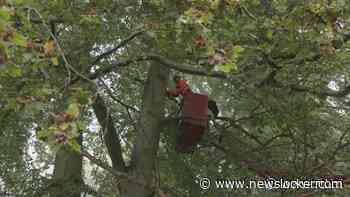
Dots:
(54, 61)
(63, 126)
(49, 46)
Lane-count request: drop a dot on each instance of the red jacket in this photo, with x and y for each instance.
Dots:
(182, 89)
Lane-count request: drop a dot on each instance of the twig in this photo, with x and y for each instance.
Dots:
(110, 93)
(243, 130)
(121, 44)
(248, 13)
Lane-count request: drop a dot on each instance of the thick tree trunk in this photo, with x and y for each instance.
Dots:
(149, 126)
(67, 177)
(145, 150)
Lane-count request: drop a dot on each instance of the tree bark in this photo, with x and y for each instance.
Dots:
(144, 156)
(67, 178)
(110, 136)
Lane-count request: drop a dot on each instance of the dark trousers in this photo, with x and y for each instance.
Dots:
(213, 107)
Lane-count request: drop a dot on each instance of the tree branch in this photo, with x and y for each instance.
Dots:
(110, 136)
(332, 93)
(120, 45)
(89, 190)
(185, 68)
(346, 37)
(107, 69)
(190, 69)
(122, 175)
(110, 94)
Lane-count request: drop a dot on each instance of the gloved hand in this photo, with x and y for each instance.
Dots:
(168, 94)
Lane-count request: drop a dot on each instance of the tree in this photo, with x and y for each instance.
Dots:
(278, 70)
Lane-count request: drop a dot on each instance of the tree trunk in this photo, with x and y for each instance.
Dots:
(67, 177)
(144, 157)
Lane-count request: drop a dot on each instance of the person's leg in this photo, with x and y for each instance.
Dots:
(213, 107)
(179, 112)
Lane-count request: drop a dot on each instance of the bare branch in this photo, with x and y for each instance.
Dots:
(185, 68)
(110, 93)
(120, 45)
(107, 69)
(242, 129)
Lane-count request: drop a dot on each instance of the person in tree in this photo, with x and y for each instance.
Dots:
(182, 89)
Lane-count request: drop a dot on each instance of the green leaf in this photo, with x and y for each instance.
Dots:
(74, 131)
(14, 70)
(81, 125)
(317, 8)
(5, 13)
(215, 4)
(156, 2)
(64, 126)
(151, 34)
(43, 134)
(74, 145)
(228, 67)
(341, 3)
(3, 25)
(82, 96)
(34, 108)
(73, 109)
(43, 92)
(90, 20)
(11, 104)
(18, 2)
(27, 57)
(237, 50)
(3, 48)
(269, 34)
(19, 40)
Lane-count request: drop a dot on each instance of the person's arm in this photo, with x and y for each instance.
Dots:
(174, 93)
(180, 86)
